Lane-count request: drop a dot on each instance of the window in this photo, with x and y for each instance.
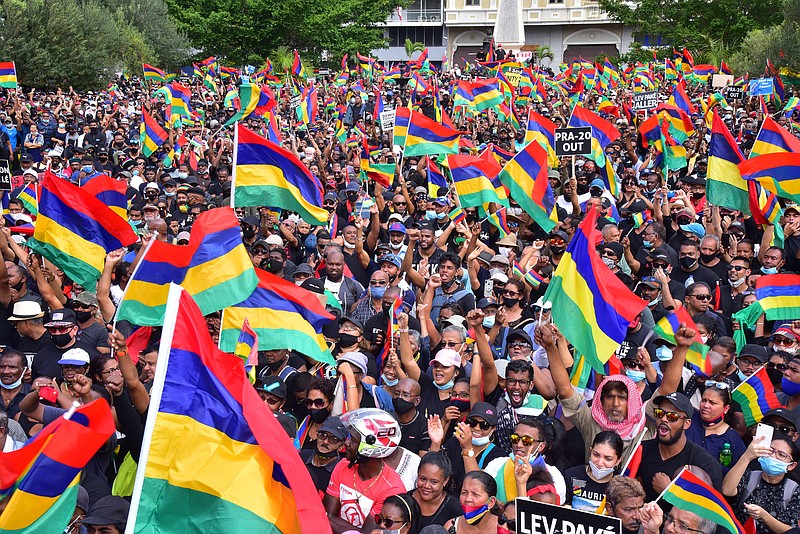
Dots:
(428, 35)
(473, 3)
(556, 1)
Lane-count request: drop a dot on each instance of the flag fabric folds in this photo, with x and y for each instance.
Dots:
(773, 138)
(213, 457)
(110, 192)
(267, 174)
(436, 178)
(282, 315)
(151, 73)
(8, 75)
(756, 396)
(778, 172)
(151, 134)
(668, 326)
(402, 117)
(42, 477)
(254, 100)
(215, 268)
(29, 197)
(779, 296)
(426, 136)
(725, 186)
(526, 178)
(591, 306)
(75, 230)
(475, 180)
(690, 493)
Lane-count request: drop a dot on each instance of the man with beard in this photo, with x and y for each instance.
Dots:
(519, 383)
(447, 287)
(426, 255)
(671, 450)
(321, 460)
(362, 481)
(625, 500)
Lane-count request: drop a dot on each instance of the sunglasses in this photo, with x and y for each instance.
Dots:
(782, 428)
(526, 440)
(451, 344)
(511, 523)
(386, 522)
(483, 425)
(701, 297)
(672, 417)
(716, 384)
(779, 366)
(314, 403)
(632, 364)
(736, 268)
(660, 265)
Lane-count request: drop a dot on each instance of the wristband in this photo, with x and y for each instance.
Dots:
(122, 353)
(403, 330)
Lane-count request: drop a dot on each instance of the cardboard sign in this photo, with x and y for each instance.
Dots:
(5, 175)
(513, 75)
(295, 101)
(721, 80)
(387, 119)
(761, 86)
(734, 93)
(645, 101)
(573, 141)
(540, 518)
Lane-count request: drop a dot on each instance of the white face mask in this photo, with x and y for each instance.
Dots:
(349, 245)
(504, 251)
(704, 339)
(600, 472)
(397, 246)
(736, 283)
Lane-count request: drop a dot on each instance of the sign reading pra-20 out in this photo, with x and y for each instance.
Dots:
(573, 141)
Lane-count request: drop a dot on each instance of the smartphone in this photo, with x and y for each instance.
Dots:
(49, 394)
(726, 240)
(766, 431)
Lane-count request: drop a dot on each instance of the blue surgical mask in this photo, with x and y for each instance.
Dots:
(442, 215)
(480, 442)
(769, 270)
(772, 466)
(388, 382)
(742, 376)
(430, 215)
(488, 321)
(445, 386)
(377, 292)
(647, 244)
(663, 353)
(86, 168)
(789, 387)
(635, 375)
(15, 385)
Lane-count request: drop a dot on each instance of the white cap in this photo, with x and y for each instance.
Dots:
(274, 240)
(74, 356)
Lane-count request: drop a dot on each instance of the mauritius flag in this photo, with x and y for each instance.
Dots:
(669, 325)
(756, 396)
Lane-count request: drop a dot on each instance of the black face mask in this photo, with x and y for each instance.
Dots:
(688, 262)
(557, 250)
(277, 365)
(386, 308)
(274, 266)
(402, 406)
(510, 303)
(461, 404)
(83, 316)
(318, 416)
(61, 340)
(774, 375)
(249, 233)
(347, 340)
(698, 196)
(707, 257)
(449, 283)
(330, 454)
(18, 285)
(583, 189)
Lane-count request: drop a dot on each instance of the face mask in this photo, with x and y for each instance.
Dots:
(609, 263)
(83, 316)
(706, 258)
(655, 302)
(318, 416)
(789, 387)
(698, 196)
(329, 454)
(495, 271)
(557, 250)
(170, 195)
(430, 215)
(473, 514)
(461, 404)
(402, 406)
(183, 175)
(276, 365)
(510, 303)
(377, 292)
(488, 321)
(600, 472)
(249, 232)
(449, 385)
(397, 246)
(62, 125)
(389, 382)
(86, 168)
(774, 376)
(15, 385)
(349, 245)
(347, 340)
(135, 173)
(769, 270)
(274, 266)
(790, 350)
(647, 244)
(61, 340)
(635, 375)
(704, 339)
(441, 216)
(480, 442)
(504, 251)
(772, 466)
(736, 283)
(393, 530)
(449, 283)
(743, 377)
(663, 354)
(688, 263)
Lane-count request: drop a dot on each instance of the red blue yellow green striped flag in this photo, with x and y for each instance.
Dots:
(756, 396)
(8, 75)
(690, 493)
(668, 325)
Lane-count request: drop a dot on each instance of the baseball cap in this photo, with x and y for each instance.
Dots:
(74, 356)
(397, 227)
(303, 268)
(753, 350)
(419, 190)
(62, 317)
(273, 385)
(694, 228)
(349, 319)
(485, 411)
(783, 413)
(394, 259)
(448, 358)
(110, 510)
(353, 186)
(333, 426)
(87, 298)
(485, 303)
(519, 333)
(598, 183)
(182, 236)
(356, 358)
(442, 201)
(680, 401)
(83, 499)
(651, 281)
(274, 240)
(330, 196)
(499, 258)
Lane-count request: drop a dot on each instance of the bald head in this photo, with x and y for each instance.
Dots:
(408, 385)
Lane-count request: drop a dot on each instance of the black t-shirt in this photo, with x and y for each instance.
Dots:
(321, 475)
(691, 454)
(452, 448)
(449, 509)
(45, 363)
(27, 344)
(415, 434)
(433, 260)
(430, 402)
(380, 323)
(583, 492)
(701, 274)
(8, 334)
(95, 335)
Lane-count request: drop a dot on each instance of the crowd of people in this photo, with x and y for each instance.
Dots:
(472, 401)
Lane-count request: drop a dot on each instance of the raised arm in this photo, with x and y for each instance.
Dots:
(545, 337)
(406, 352)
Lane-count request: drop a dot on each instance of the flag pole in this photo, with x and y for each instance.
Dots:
(133, 275)
(661, 495)
(235, 159)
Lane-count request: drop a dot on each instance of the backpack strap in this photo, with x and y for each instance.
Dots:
(752, 483)
(789, 488)
(484, 456)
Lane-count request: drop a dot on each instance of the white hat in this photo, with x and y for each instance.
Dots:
(152, 185)
(500, 277)
(18, 239)
(274, 240)
(25, 310)
(30, 171)
(546, 305)
(74, 356)
(448, 358)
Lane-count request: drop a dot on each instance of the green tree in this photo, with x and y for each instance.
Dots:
(240, 31)
(780, 44)
(544, 52)
(689, 22)
(413, 46)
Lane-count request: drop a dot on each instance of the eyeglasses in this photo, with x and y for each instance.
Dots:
(400, 203)
(483, 425)
(679, 526)
(672, 417)
(514, 382)
(324, 436)
(376, 283)
(782, 428)
(109, 371)
(716, 384)
(660, 265)
(783, 341)
(701, 297)
(511, 523)
(632, 364)
(742, 362)
(780, 455)
(557, 242)
(314, 403)
(386, 522)
(526, 440)
(509, 293)
(451, 344)
(779, 366)
(59, 329)
(736, 268)
(459, 396)
(404, 395)
(270, 400)
(519, 345)
(608, 254)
